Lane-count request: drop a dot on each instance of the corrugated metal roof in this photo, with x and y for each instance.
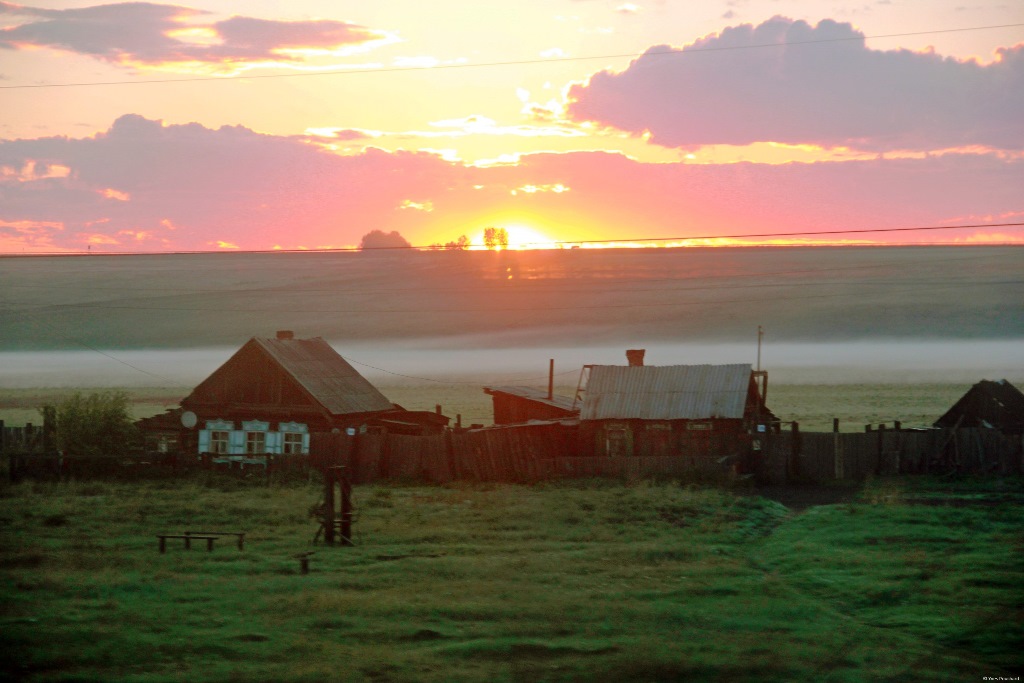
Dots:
(531, 394)
(672, 392)
(328, 377)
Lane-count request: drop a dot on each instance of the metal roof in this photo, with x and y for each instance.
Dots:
(328, 377)
(671, 392)
(531, 394)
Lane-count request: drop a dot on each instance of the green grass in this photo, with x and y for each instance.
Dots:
(587, 581)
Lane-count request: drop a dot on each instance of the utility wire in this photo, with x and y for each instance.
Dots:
(90, 347)
(550, 244)
(508, 309)
(456, 382)
(519, 62)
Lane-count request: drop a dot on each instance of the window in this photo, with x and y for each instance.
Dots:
(292, 443)
(255, 442)
(218, 442)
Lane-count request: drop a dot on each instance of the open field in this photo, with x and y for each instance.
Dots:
(624, 298)
(912, 580)
(813, 405)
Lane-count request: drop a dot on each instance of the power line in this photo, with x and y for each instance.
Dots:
(534, 285)
(550, 244)
(85, 345)
(455, 382)
(532, 308)
(520, 62)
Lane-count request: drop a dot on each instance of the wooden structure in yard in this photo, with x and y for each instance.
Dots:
(515, 405)
(273, 393)
(704, 411)
(988, 405)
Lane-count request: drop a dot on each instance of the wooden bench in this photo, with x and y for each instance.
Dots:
(239, 535)
(188, 540)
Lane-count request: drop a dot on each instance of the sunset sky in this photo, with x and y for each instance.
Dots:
(308, 124)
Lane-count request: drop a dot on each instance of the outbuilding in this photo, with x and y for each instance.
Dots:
(517, 405)
(988, 404)
(694, 410)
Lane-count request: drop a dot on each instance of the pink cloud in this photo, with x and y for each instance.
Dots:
(192, 186)
(150, 34)
(787, 81)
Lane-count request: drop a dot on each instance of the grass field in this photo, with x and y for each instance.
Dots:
(912, 580)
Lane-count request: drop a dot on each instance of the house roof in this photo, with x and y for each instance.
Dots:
(325, 375)
(996, 404)
(672, 392)
(531, 394)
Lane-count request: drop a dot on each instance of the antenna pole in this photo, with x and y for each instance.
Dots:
(760, 334)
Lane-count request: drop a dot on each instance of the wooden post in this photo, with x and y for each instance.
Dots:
(328, 512)
(551, 379)
(49, 429)
(837, 449)
(880, 467)
(346, 507)
(794, 458)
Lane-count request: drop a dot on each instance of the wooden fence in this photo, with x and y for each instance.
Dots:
(824, 456)
(530, 453)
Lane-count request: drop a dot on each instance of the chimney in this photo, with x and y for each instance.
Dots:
(285, 334)
(635, 357)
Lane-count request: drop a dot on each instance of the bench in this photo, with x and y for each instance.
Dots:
(239, 535)
(188, 540)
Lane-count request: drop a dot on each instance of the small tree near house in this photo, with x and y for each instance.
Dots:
(95, 425)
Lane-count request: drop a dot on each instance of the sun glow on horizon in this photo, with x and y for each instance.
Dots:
(520, 237)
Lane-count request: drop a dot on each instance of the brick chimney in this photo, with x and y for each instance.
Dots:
(285, 334)
(635, 357)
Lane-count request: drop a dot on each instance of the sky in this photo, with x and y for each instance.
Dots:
(217, 125)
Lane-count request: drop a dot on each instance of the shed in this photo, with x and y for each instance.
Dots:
(515, 405)
(988, 405)
(272, 393)
(671, 410)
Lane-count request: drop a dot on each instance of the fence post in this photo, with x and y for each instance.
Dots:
(346, 506)
(880, 462)
(328, 511)
(837, 449)
(49, 429)
(794, 454)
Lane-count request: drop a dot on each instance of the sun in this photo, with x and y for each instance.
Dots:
(520, 237)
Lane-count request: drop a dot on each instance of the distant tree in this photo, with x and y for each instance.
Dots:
(378, 239)
(461, 243)
(496, 238)
(97, 424)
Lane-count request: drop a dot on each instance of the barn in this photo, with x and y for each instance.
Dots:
(273, 393)
(988, 405)
(695, 410)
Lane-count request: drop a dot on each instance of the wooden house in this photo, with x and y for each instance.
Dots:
(273, 393)
(988, 405)
(695, 410)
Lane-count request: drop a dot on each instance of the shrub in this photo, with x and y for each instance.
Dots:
(95, 425)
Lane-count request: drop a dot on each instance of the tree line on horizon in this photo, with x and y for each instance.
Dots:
(494, 238)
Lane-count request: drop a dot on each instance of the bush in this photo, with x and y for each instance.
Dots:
(95, 425)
